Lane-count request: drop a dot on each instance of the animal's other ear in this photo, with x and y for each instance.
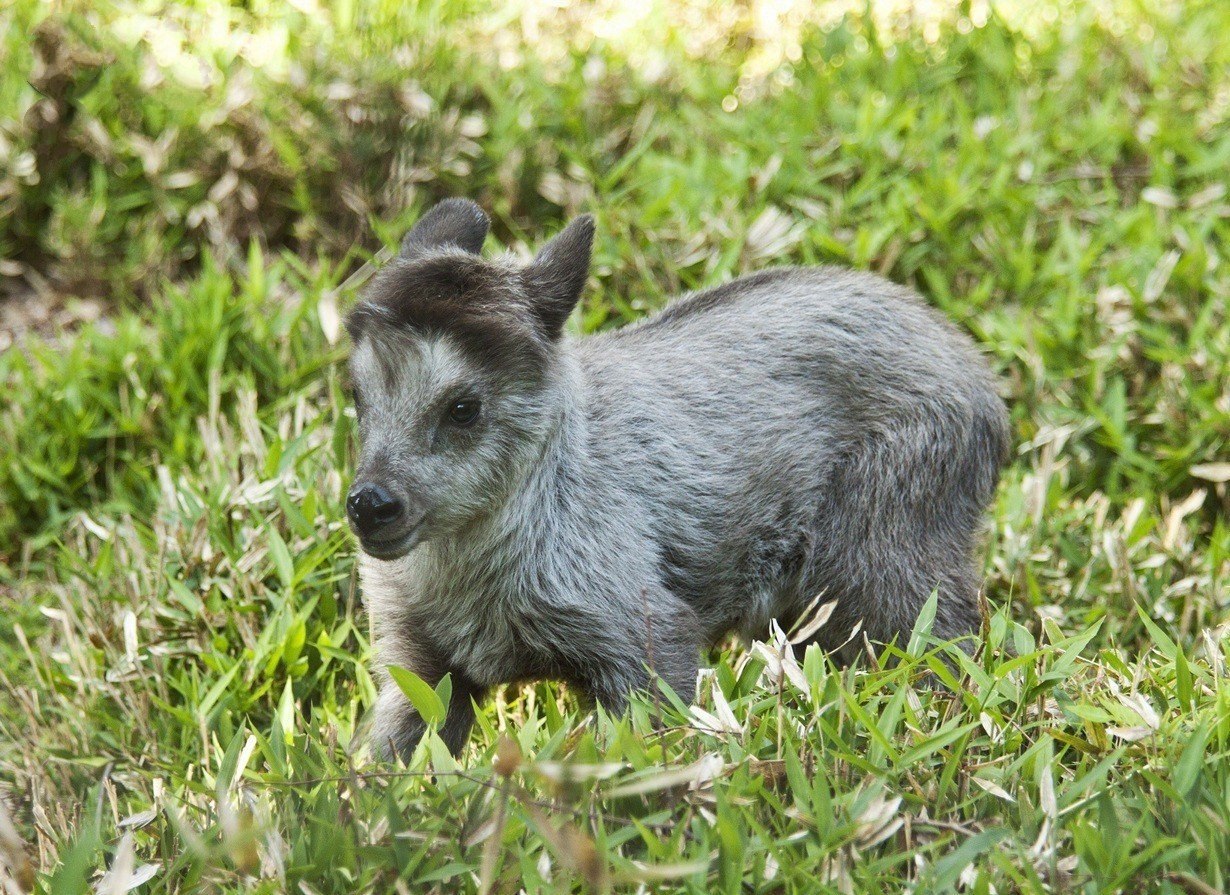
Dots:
(453, 223)
(557, 274)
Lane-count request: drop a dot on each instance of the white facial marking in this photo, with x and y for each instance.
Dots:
(402, 377)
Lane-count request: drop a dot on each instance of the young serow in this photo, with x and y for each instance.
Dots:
(600, 510)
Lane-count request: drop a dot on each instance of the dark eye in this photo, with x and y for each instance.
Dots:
(464, 412)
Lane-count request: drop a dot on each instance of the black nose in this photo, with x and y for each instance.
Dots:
(370, 507)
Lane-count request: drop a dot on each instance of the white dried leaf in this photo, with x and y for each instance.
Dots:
(1174, 519)
(710, 724)
(131, 645)
(771, 659)
(1141, 706)
(994, 731)
(564, 771)
(123, 875)
(1212, 651)
(340, 91)
(694, 776)
(1130, 734)
(721, 708)
(181, 180)
(765, 175)
(993, 788)
(646, 872)
(330, 319)
(793, 672)
(695, 250)
(1155, 282)
(140, 819)
(879, 820)
(1131, 515)
(472, 126)
(225, 185)
(241, 764)
(553, 188)
(94, 528)
(983, 125)
(771, 234)
(1207, 196)
(1211, 472)
(818, 620)
(482, 832)
(770, 867)
(1162, 197)
(1046, 794)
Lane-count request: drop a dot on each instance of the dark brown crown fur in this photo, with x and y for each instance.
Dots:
(477, 304)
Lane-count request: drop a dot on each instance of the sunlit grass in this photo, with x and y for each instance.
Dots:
(184, 657)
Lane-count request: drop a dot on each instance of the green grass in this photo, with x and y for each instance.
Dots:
(184, 651)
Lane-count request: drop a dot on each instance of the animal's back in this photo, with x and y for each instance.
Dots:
(799, 431)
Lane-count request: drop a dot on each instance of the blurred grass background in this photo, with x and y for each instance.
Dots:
(185, 188)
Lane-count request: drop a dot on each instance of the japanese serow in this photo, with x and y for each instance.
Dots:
(600, 510)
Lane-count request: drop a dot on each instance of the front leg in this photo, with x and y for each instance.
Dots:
(396, 724)
(662, 644)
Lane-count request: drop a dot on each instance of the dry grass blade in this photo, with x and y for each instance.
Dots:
(1211, 472)
(879, 820)
(693, 776)
(644, 873)
(814, 618)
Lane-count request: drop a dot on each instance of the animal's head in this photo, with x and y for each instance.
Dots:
(454, 372)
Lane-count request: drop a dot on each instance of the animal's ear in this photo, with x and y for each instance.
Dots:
(453, 223)
(558, 272)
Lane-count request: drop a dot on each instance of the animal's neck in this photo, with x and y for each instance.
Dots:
(558, 486)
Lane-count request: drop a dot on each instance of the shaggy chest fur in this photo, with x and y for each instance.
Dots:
(473, 616)
(519, 596)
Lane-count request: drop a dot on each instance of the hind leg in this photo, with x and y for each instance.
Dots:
(880, 595)
(958, 614)
(901, 523)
